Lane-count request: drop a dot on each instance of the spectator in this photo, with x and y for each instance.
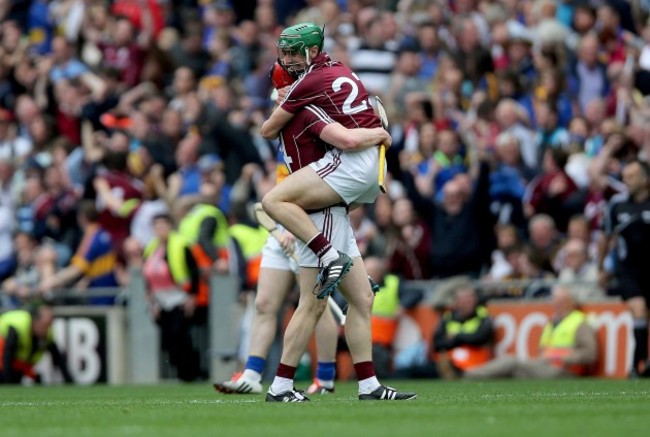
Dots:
(551, 89)
(124, 52)
(553, 192)
(567, 348)
(64, 64)
(518, 51)
(374, 59)
(365, 230)
(528, 278)
(404, 80)
(588, 78)
(578, 273)
(508, 181)
(7, 222)
(549, 134)
(94, 262)
(578, 229)
(409, 248)
(33, 264)
(511, 118)
(507, 238)
(448, 158)
(189, 52)
(470, 56)
(60, 213)
(183, 85)
(382, 215)
(246, 54)
(187, 179)
(118, 195)
(150, 207)
(20, 353)
(429, 53)
(544, 240)
(12, 146)
(457, 225)
(173, 281)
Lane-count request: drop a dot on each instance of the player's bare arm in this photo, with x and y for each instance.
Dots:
(354, 139)
(272, 127)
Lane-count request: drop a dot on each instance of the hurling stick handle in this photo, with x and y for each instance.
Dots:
(381, 176)
(338, 313)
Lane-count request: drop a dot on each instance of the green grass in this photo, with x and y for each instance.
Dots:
(501, 408)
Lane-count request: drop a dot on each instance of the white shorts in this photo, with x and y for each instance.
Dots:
(334, 223)
(353, 175)
(273, 257)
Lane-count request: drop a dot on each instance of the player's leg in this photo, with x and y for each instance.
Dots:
(272, 289)
(327, 331)
(303, 190)
(337, 177)
(357, 291)
(277, 277)
(296, 338)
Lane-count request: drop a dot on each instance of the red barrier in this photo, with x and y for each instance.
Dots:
(519, 327)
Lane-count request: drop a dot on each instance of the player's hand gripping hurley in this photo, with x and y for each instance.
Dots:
(381, 112)
(270, 225)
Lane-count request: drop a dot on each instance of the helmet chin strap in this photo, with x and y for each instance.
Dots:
(307, 57)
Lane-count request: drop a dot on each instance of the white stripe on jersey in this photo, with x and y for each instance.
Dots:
(320, 113)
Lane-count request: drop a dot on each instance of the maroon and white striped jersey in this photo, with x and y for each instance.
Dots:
(300, 140)
(334, 88)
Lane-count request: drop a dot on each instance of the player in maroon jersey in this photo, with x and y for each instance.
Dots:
(303, 143)
(339, 177)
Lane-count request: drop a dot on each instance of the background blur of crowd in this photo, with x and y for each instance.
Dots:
(511, 122)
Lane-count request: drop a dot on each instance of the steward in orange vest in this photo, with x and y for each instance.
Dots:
(463, 339)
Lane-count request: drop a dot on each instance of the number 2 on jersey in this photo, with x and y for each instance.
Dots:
(337, 86)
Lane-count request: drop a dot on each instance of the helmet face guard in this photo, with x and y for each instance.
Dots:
(293, 59)
(294, 45)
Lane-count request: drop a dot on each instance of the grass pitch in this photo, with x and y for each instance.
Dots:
(501, 408)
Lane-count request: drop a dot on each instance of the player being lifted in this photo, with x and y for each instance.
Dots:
(339, 178)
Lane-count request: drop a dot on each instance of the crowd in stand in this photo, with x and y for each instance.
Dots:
(511, 123)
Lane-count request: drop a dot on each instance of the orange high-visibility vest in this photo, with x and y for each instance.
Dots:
(467, 357)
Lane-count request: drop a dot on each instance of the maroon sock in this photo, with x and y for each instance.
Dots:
(285, 371)
(364, 370)
(319, 245)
